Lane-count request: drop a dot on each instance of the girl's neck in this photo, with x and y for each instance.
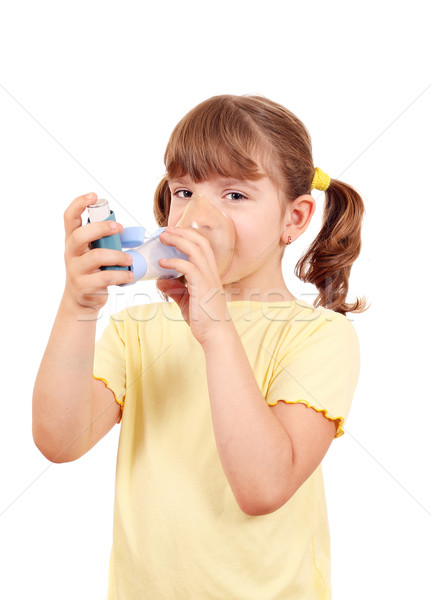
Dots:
(235, 291)
(262, 284)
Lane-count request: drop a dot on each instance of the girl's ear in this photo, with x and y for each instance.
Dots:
(162, 203)
(298, 216)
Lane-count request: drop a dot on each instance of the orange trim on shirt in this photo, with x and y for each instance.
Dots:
(340, 430)
(120, 402)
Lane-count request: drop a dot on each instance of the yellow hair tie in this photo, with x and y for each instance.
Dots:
(320, 181)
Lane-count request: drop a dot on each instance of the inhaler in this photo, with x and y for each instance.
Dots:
(146, 249)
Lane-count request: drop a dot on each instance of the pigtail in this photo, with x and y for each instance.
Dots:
(328, 261)
(161, 206)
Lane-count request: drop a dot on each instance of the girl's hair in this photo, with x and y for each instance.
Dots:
(224, 135)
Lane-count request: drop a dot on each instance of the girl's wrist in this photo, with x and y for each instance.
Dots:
(72, 309)
(223, 334)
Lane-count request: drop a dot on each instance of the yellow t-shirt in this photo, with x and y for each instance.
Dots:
(178, 531)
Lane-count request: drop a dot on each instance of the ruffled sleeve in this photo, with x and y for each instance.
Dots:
(320, 370)
(110, 359)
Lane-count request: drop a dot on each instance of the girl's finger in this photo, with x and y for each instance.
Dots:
(188, 233)
(72, 214)
(179, 264)
(191, 243)
(81, 237)
(104, 257)
(97, 282)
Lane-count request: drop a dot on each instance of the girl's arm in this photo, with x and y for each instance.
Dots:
(71, 410)
(266, 452)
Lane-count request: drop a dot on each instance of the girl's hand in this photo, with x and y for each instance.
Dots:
(203, 302)
(86, 284)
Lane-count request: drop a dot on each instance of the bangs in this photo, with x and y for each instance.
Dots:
(216, 138)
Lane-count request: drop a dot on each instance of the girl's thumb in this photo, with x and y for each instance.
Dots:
(173, 288)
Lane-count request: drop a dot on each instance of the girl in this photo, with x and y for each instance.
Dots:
(230, 395)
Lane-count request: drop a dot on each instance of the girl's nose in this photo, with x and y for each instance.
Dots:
(200, 213)
(214, 224)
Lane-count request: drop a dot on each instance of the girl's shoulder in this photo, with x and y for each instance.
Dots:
(299, 322)
(296, 311)
(146, 312)
(152, 318)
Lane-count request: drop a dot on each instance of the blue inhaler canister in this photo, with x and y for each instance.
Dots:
(101, 212)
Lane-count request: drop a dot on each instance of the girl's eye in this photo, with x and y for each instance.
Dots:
(236, 196)
(183, 193)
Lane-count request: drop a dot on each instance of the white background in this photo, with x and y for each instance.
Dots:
(89, 94)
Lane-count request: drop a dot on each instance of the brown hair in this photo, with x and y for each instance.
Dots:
(224, 135)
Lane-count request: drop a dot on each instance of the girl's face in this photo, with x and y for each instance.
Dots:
(255, 210)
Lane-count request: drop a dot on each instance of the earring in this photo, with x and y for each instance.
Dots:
(289, 240)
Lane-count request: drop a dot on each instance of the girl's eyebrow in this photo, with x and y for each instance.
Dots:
(240, 183)
(230, 182)
(179, 180)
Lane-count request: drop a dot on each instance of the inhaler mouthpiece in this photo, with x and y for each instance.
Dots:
(215, 225)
